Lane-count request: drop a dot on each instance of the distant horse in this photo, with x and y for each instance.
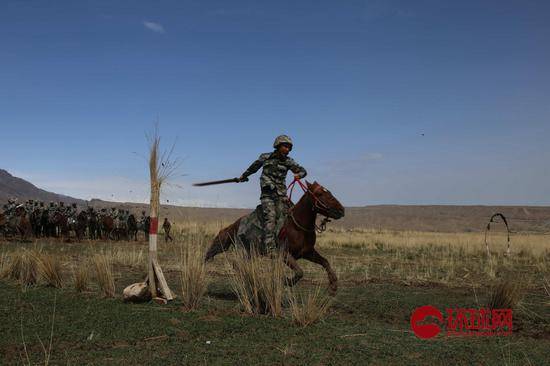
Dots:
(4, 226)
(93, 226)
(132, 227)
(35, 219)
(298, 234)
(59, 225)
(144, 226)
(107, 226)
(80, 225)
(45, 229)
(21, 223)
(120, 231)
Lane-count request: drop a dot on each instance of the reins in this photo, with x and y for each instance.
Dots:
(317, 203)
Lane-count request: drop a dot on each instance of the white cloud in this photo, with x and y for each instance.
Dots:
(155, 27)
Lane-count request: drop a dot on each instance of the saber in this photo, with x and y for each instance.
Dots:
(232, 180)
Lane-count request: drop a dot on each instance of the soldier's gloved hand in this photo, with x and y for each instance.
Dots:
(242, 178)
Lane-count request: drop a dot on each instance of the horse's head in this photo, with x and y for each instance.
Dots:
(20, 211)
(324, 202)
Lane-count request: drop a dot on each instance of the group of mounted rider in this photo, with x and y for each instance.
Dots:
(34, 217)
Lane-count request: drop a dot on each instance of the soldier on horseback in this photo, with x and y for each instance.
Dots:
(10, 209)
(273, 197)
(29, 206)
(71, 212)
(142, 218)
(51, 210)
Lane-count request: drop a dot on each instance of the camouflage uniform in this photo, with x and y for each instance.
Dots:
(102, 213)
(167, 226)
(71, 211)
(29, 206)
(62, 209)
(12, 204)
(51, 210)
(142, 218)
(273, 187)
(121, 222)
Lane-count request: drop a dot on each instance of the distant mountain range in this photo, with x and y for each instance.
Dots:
(385, 217)
(11, 186)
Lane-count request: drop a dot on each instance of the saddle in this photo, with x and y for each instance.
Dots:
(251, 229)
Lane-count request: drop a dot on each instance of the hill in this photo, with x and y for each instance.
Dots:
(11, 186)
(383, 217)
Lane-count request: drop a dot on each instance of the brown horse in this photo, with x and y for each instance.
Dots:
(21, 223)
(298, 234)
(59, 224)
(3, 224)
(80, 225)
(107, 226)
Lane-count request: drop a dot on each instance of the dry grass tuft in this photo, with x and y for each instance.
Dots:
(546, 286)
(309, 308)
(127, 257)
(258, 282)
(49, 268)
(104, 274)
(506, 295)
(193, 277)
(4, 262)
(81, 278)
(22, 267)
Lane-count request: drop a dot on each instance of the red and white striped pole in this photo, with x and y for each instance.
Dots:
(153, 230)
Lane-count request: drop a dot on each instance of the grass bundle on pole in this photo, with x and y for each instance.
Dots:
(161, 168)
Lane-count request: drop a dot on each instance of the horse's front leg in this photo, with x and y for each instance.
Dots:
(315, 257)
(293, 264)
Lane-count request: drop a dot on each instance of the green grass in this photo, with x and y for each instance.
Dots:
(367, 324)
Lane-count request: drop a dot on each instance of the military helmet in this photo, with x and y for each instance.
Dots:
(282, 139)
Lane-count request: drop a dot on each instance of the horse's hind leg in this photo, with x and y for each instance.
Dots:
(315, 257)
(298, 272)
(221, 243)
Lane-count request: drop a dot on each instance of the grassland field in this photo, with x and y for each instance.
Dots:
(383, 277)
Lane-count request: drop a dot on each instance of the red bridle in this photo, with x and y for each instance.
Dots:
(317, 203)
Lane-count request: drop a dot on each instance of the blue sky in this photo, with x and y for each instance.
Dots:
(355, 83)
